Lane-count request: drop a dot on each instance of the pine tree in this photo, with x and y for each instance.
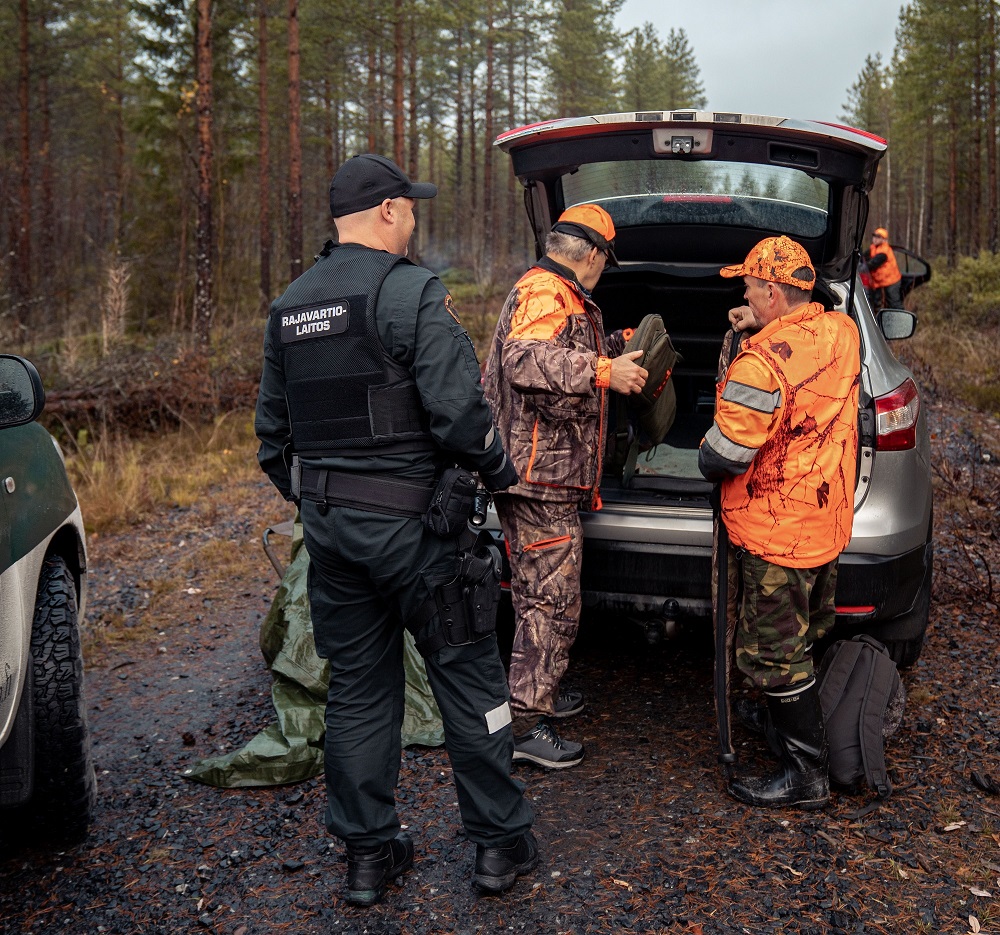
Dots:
(581, 67)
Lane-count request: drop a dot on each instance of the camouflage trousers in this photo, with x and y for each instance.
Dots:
(781, 613)
(545, 542)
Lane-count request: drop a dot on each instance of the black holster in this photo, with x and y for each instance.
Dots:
(467, 604)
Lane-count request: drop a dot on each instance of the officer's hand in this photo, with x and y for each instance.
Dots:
(626, 375)
(499, 474)
(742, 318)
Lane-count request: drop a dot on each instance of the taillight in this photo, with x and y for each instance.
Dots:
(896, 418)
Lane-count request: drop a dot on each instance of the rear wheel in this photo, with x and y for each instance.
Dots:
(65, 790)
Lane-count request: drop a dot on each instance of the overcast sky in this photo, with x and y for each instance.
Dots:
(783, 58)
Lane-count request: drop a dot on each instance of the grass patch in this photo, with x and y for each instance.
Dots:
(956, 348)
(120, 481)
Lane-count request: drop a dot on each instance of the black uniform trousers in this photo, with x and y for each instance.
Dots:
(368, 572)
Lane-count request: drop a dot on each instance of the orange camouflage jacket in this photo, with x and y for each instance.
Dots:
(785, 432)
(547, 381)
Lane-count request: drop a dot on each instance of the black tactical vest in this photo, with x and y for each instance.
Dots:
(346, 395)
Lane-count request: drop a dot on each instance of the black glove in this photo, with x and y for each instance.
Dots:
(499, 474)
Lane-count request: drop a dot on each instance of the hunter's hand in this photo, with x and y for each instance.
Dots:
(626, 375)
(742, 318)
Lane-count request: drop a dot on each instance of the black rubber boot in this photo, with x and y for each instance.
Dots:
(803, 777)
(755, 717)
(369, 869)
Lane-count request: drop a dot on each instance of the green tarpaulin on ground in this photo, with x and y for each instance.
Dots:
(292, 749)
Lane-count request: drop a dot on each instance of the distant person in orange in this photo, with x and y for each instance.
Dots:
(886, 278)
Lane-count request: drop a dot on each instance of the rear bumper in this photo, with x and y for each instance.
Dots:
(642, 578)
(877, 589)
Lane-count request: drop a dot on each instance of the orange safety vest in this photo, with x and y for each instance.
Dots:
(794, 505)
(888, 273)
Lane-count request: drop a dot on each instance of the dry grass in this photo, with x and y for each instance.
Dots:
(957, 360)
(120, 481)
(956, 349)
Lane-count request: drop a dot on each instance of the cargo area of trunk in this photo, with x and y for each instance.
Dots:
(694, 303)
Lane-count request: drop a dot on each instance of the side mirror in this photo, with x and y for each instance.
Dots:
(22, 397)
(897, 323)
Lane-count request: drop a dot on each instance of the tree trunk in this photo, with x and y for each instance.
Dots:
(22, 273)
(489, 228)
(328, 145)
(432, 174)
(413, 156)
(421, 234)
(952, 245)
(992, 225)
(459, 213)
(929, 220)
(294, 144)
(204, 235)
(263, 159)
(372, 94)
(121, 21)
(178, 312)
(398, 112)
(380, 102)
(510, 219)
(46, 234)
(973, 237)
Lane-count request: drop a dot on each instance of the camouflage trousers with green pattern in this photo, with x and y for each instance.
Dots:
(781, 613)
(545, 543)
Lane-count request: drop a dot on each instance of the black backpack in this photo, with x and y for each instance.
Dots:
(863, 700)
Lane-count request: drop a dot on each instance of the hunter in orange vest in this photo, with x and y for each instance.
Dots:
(886, 278)
(783, 446)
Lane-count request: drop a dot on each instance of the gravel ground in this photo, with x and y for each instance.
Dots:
(640, 838)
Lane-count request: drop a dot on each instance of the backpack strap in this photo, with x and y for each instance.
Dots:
(835, 677)
(878, 693)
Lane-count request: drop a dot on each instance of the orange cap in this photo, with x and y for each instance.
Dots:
(591, 223)
(881, 232)
(776, 259)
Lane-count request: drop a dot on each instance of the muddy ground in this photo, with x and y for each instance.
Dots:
(640, 838)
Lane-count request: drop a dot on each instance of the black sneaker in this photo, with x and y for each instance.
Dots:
(369, 869)
(569, 703)
(543, 746)
(498, 867)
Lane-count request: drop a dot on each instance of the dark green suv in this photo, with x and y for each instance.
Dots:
(47, 783)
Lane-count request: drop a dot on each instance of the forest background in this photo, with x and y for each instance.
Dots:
(165, 167)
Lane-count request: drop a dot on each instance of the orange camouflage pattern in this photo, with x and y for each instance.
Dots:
(794, 505)
(776, 259)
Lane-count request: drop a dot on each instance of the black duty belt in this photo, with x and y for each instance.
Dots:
(378, 494)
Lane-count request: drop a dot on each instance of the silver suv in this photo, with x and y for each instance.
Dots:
(47, 783)
(690, 192)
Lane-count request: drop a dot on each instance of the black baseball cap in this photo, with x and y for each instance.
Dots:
(367, 180)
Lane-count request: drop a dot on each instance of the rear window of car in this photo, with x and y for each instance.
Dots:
(672, 191)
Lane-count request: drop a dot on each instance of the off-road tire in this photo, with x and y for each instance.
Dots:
(65, 792)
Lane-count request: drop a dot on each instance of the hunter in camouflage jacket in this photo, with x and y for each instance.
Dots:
(547, 382)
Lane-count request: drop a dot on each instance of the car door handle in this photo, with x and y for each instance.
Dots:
(9, 484)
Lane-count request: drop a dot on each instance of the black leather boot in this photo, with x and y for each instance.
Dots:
(803, 777)
(369, 869)
(498, 867)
